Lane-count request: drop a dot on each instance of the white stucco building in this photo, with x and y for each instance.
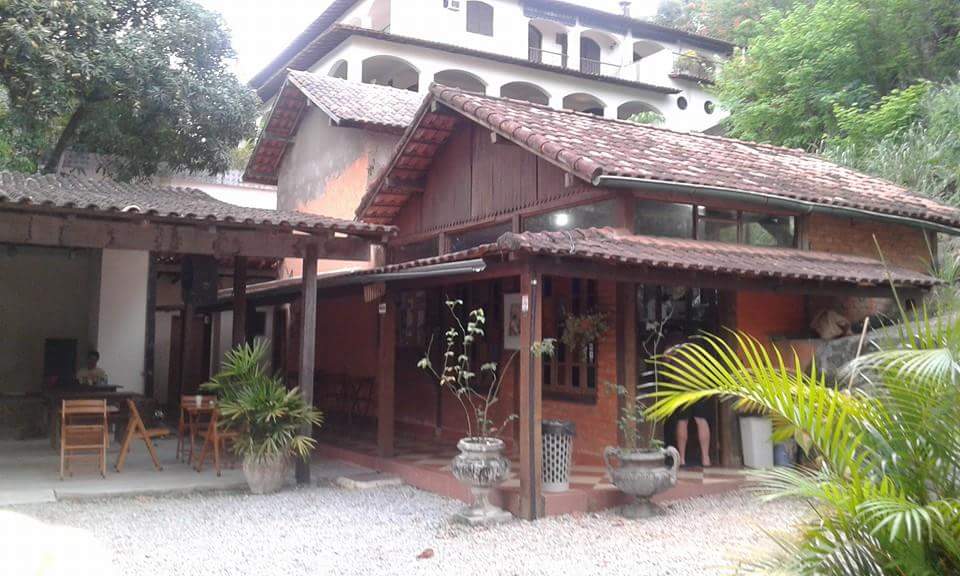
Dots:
(555, 53)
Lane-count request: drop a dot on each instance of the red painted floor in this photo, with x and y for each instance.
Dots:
(426, 466)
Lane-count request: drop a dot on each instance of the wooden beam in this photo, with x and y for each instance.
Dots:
(531, 397)
(308, 348)
(386, 377)
(239, 301)
(627, 361)
(143, 233)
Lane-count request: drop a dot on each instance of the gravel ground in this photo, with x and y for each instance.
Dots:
(328, 530)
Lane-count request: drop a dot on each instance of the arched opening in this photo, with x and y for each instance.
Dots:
(644, 48)
(462, 80)
(479, 18)
(595, 48)
(547, 42)
(339, 70)
(640, 112)
(526, 92)
(391, 71)
(582, 102)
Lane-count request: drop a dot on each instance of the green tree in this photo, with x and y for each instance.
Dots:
(146, 81)
(734, 20)
(805, 64)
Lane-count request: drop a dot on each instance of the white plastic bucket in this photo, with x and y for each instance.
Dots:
(755, 434)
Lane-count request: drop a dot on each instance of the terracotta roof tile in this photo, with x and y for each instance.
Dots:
(95, 195)
(367, 104)
(591, 147)
(711, 257)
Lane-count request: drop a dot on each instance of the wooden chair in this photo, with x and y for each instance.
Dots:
(194, 417)
(83, 432)
(216, 439)
(136, 427)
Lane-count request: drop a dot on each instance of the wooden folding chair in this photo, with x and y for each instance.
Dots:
(83, 431)
(136, 427)
(216, 439)
(194, 417)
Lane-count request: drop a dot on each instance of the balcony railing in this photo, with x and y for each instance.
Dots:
(694, 67)
(540, 56)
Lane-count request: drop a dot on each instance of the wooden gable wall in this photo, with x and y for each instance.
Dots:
(474, 180)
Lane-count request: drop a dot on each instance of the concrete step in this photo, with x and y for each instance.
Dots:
(368, 481)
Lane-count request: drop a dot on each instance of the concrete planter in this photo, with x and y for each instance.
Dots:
(642, 474)
(266, 477)
(482, 467)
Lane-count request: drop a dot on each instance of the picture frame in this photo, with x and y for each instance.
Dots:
(512, 315)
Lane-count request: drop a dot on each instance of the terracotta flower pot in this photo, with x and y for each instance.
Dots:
(481, 466)
(266, 476)
(642, 474)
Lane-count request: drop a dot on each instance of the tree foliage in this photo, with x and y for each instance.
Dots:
(805, 64)
(734, 20)
(148, 81)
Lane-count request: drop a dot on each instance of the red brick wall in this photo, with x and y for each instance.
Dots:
(596, 423)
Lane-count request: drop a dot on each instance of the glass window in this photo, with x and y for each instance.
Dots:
(597, 215)
(413, 251)
(467, 239)
(480, 18)
(653, 218)
(716, 225)
(767, 230)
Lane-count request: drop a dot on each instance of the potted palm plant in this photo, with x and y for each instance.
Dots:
(644, 468)
(266, 417)
(481, 464)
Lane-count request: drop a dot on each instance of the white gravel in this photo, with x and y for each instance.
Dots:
(329, 530)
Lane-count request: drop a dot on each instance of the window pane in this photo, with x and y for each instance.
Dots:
(761, 230)
(413, 251)
(663, 219)
(478, 236)
(596, 215)
(717, 230)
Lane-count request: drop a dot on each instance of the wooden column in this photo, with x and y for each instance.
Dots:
(627, 361)
(240, 299)
(308, 347)
(531, 397)
(150, 341)
(386, 377)
(186, 337)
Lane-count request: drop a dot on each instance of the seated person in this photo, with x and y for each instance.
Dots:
(92, 375)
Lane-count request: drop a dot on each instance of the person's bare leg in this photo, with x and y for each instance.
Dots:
(682, 440)
(703, 433)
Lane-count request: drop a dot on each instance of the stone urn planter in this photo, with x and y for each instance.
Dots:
(642, 474)
(481, 466)
(268, 476)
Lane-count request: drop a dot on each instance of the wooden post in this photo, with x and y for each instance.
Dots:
(149, 349)
(240, 299)
(531, 397)
(386, 377)
(308, 347)
(186, 337)
(627, 362)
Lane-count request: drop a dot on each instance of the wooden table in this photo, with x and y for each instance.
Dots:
(116, 406)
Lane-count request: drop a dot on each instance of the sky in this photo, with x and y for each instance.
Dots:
(262, 28)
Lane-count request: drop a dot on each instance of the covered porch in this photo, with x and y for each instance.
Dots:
(375, 325)
(87, 267)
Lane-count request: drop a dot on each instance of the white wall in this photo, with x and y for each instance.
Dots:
(430, 21)
(123, 317)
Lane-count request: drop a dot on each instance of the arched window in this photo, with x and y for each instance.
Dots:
(525, 91)
(480, 18)
(339, 70)
(462, 80)
(589, 56)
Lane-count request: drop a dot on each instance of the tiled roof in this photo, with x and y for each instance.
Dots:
(594, 148)
(608, 245)
(367, 104)
(82, 195)
(347, 103)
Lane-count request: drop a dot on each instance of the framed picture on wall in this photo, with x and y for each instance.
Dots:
(512, 314)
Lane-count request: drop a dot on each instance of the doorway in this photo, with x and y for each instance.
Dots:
(669, 316)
